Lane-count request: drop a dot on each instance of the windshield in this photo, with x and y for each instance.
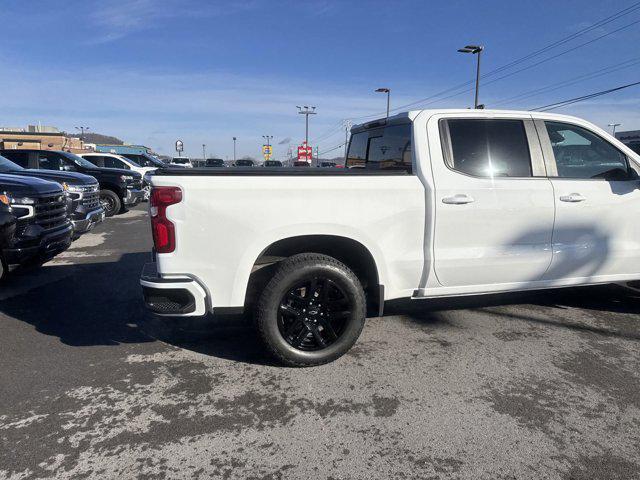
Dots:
(78, 160)
(181, 160)
(7, 165)
(133, 163)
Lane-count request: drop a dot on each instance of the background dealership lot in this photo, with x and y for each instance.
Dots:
(541, 385)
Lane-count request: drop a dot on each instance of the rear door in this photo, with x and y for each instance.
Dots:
(494, 205)
(597, 193)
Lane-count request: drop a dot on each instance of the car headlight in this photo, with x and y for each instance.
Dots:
(22, 207)
(22, 201)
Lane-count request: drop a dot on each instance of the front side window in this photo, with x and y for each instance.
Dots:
(50, 161)
(381, 148)
(489, 147)
(582, 154)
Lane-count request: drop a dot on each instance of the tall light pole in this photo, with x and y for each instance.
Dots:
(388, 92)
(306, 112)
(347, 128)
(475, 50)
(82, 130)
(267, 139)
(234, 149)
(614, 125)
(204, 155)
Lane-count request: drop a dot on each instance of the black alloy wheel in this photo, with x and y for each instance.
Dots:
(110, 202)
(311, 311)
(313, 314)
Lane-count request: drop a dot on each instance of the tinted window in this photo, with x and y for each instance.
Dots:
(16, 156)
(580, 153)
(95, 159)
(489, 148)
(50, 161)
(111, 162)
(7, 165)
(385, 148)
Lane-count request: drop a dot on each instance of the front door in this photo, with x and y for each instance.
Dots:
(494, 205)
(597, 197)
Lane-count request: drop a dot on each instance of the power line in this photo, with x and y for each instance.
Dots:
(564, 103)
(331, 149)
(571, 81)
(555, 44)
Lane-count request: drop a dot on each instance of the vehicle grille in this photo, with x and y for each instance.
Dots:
(51, 211)
(91, 198)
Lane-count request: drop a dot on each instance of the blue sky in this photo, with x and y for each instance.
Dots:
(150, 71)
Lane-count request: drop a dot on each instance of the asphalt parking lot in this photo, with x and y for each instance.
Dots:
(543, 385)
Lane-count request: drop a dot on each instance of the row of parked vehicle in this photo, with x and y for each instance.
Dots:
(50, 198)
(246, 162)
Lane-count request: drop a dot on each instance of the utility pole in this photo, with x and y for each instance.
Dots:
(388, 92)
(347, 129)
(234, 149)
(82, 130)
(614, 125)
(306, 112)
(475, 50)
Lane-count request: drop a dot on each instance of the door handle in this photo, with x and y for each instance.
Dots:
(572, 198)
(458, 199)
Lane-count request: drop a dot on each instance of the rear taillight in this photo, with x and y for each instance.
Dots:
(164, 234)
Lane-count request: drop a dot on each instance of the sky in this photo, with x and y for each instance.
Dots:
(151, 72)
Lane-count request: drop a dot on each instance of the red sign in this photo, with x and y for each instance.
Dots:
(305, 152)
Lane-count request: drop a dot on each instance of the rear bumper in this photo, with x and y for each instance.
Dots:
(133, 197)
(90, 220)
(48, 247)
(178, 296)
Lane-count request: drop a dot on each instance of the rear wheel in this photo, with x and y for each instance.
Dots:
(312, 311)
(110, 202)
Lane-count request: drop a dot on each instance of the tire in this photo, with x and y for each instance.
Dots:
(111, 203)
(311, 312)
(4, 270)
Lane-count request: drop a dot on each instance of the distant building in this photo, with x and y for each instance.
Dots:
(33, 137)
(122, 149)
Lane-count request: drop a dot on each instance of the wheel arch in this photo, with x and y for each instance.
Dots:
(354, 254)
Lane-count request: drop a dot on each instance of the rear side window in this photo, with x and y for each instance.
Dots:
(381, 148)
(489, 148)
(16, 156)
(582, 154)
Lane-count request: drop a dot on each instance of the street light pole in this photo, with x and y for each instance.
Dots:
(82, 130)
(234, 149)
(204, 155)
(306, 112)
(614, 125)
(388, 92)
(475, 50)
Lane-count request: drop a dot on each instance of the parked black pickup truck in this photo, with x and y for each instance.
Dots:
(7, 229)
(42, 228)
(81, 191)
(118, 188)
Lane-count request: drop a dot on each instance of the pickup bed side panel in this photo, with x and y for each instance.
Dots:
(224, 223)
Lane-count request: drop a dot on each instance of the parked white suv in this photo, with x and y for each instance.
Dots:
(182, 162)
(112, 160)
(442, 203)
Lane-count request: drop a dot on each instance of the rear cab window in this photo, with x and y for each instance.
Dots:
(382, 148)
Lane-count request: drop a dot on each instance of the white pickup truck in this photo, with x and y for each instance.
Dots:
(434, 203)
